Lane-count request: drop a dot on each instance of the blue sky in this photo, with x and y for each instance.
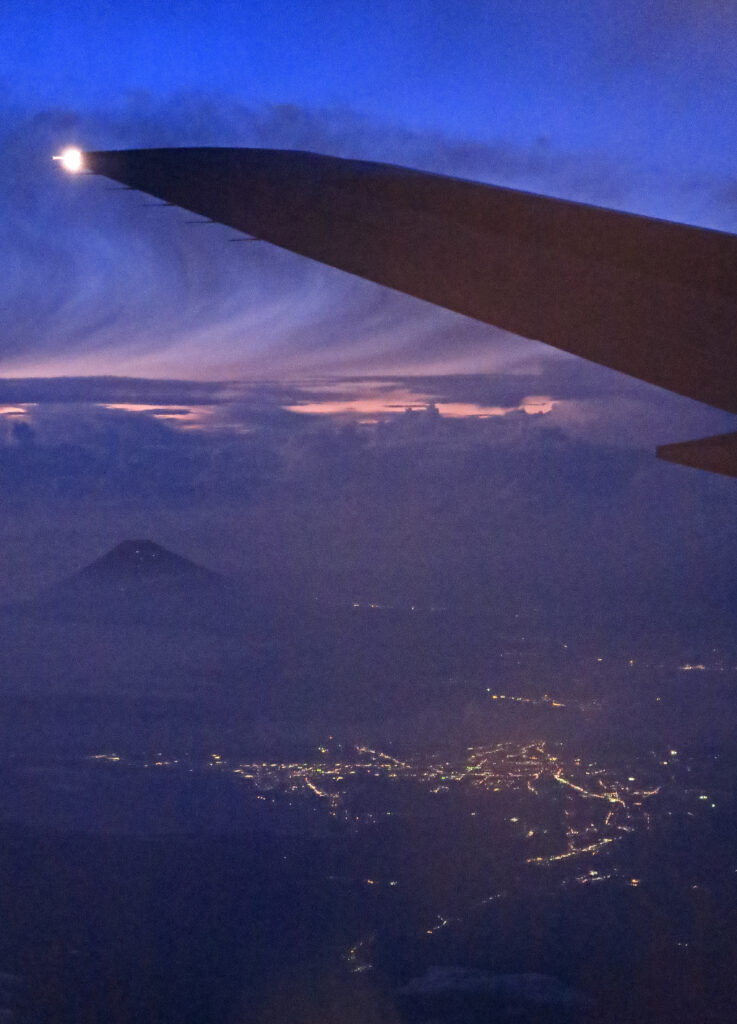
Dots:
(641, 81)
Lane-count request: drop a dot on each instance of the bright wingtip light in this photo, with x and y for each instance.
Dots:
(71, 160)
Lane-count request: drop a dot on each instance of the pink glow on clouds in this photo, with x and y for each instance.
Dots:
(398, 400)
(189, 416)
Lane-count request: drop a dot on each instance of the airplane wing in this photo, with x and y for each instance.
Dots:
(653, 299)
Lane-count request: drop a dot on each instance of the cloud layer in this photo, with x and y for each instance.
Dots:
(543, 512)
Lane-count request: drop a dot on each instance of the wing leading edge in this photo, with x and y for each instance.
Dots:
(650, 298)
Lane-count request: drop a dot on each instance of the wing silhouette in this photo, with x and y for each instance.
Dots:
(653, 299)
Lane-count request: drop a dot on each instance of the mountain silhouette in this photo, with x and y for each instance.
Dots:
(142, 561)
(141, 620)
(140, 581)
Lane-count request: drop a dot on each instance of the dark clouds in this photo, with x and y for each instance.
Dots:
(514, 509)
(590, 401)
(109, 389)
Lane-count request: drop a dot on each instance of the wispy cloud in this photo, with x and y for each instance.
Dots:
(96, 281)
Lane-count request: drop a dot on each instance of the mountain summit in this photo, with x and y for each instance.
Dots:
(143, 561)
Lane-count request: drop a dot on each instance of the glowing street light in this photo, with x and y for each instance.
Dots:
(71, 159)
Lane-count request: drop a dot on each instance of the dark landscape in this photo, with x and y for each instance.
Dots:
(364, 812)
